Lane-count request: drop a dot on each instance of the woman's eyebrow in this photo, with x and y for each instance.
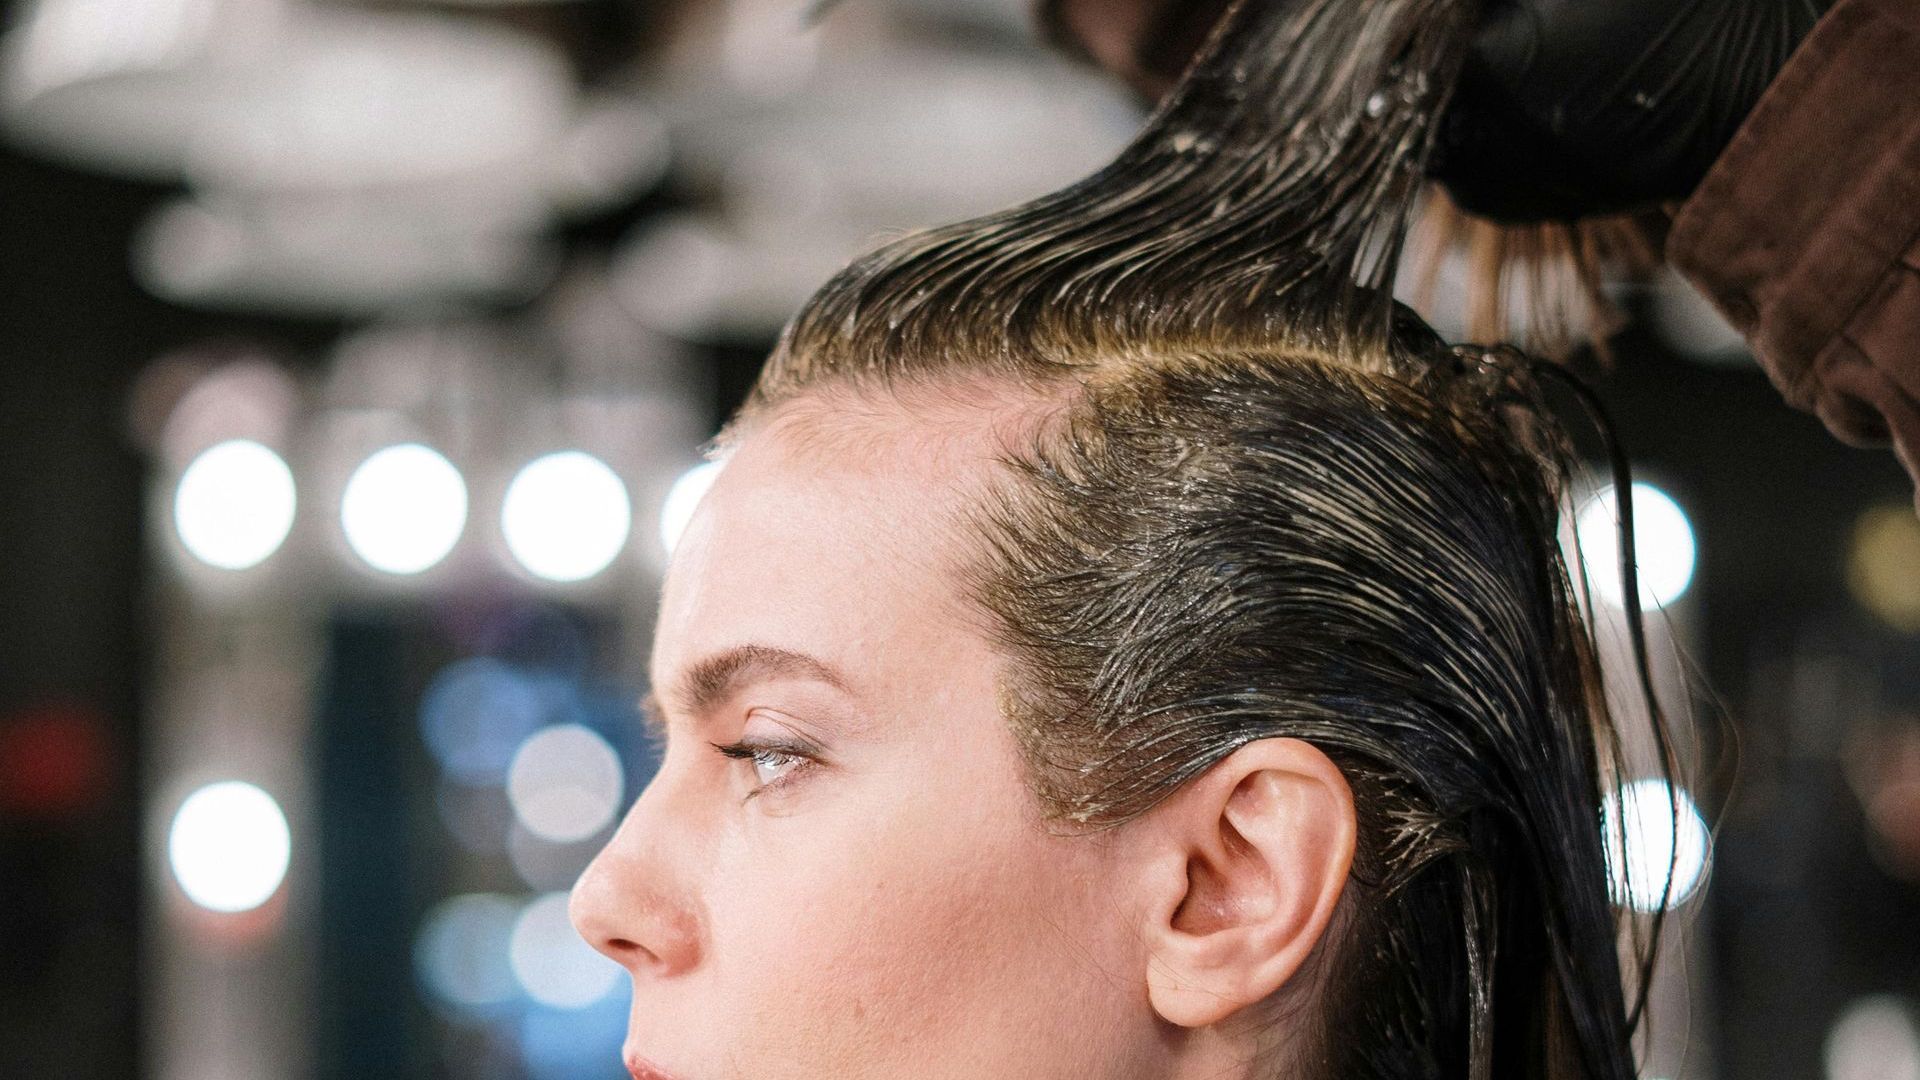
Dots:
(711, 678)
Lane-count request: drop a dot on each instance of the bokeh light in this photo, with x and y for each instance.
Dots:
(188, 400)
(1663, 546)
(461, 953)
(566, 516)
(56, 760)
(404, 508)
(1883, 565)
(545, 865)
(1650, 827)
(552, 963)
(234, 506)
(685, 495)
(565, 783)
(577, 1044)
(1875, 1038)
(476, 713)
(229, 846)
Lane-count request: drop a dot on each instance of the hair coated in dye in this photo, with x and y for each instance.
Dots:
(1271, 503)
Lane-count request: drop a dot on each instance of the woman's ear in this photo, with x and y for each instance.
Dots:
(1245, 869)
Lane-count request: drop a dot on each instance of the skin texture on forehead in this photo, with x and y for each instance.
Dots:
(961, 418)
(913, 458)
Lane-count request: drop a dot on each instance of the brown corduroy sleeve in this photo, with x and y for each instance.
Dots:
(1806, 231)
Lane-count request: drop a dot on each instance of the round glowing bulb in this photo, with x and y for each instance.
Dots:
(553, 964)
(1651, 829)
(229, 846)
(1663, 546)
(404, 508)
(565, 783)
(1874, 1038)
(677, 509)
(475, 714)
(1883, 565)
(461, 953)
(234, 505)
(566, 516)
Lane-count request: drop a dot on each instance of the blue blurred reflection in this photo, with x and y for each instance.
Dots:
(577, 1044)
(476, 713)
(461, 954)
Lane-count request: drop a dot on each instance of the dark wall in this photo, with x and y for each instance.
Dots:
(75, 330)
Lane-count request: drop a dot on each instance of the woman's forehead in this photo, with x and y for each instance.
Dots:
(963, 420)
(829, 554)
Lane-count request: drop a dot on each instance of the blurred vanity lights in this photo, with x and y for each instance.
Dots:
(544, 865)
(552, 963)
(1653, 831)
(192, 398)
(404, 508)
(476, 714)
(229, 846)
(685, 495)
(1876, 1037)
(234, 504)
(566, 516)
(461, 953)
(1883, 565)
(572, 1044)
(565, 783)
(1663, 546)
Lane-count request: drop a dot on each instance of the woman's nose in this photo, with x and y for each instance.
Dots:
(626, 906)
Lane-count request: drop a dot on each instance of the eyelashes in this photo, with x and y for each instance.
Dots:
(801, 757)
(770, 754)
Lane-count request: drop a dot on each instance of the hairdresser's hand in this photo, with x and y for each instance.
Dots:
(1566, 109)
(1570, 108)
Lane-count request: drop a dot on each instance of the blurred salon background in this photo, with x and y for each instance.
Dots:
(356, 362)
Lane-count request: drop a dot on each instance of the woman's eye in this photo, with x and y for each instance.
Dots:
(771, 759)
(767, 756)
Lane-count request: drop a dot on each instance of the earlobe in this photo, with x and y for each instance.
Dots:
(1251, 865)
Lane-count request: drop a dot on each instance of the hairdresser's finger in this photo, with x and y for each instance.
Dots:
(1863, 407)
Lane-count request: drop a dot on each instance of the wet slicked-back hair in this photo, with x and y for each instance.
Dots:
(1275, 504)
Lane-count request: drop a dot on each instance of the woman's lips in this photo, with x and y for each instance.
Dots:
(642, 1069)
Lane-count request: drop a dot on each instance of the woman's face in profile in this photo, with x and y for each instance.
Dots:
(890, 906)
